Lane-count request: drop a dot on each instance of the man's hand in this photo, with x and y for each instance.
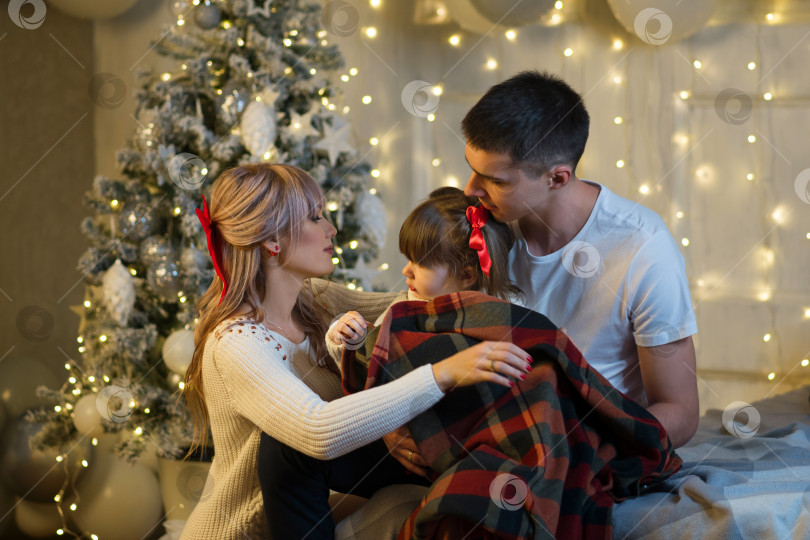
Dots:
(402, 446)
(670, 382)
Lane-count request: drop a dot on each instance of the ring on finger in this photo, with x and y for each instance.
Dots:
(492, 366)
(410, 456)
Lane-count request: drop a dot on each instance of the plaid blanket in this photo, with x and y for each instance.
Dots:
(544, 459)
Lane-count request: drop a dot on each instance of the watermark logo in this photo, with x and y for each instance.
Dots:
(802, 186)
(508, 491)
(733, 106)
(418, 98)
(115, 404)
(653, 26)
(108, 91)
(33, 20)
(737, 428)
(35, 323)
(581, 259)
(340, 18)
(195, 483)
(187, 171)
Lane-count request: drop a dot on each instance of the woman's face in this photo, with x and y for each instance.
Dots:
(312, 255)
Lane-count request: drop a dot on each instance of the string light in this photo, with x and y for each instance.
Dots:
(749, 177)
(431, 117)
(375, 173)
(353, 244)
(620, 163)
(383, 267)
(492, 64)
(644, 189)
(805, 362)
(779, 215)
(375, 3)
(374, 141)
(684, 241)
(618, 120)
(767, 96)
(436, 162)
(366, 100)
(166, 76)
(373, 191)
(752, 66)
(558, 4)
(344, 78)
(698, 64)
(371, 32)
(353, 72)
(454, 40)
(752, 138)
(679, 214)
(180, 22)
(437, 90)
(568, 52)
(618, 44)
(771, 376)
(807, 313)
(510, 35)
(685, 94)
(87, 303)
(451, 181)
(114, 203)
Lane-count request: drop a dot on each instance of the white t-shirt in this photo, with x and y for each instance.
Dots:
(619, 283)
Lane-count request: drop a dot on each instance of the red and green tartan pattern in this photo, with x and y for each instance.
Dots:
(571, 442)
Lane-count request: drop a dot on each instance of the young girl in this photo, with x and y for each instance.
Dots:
(262, 379)
(451, 245)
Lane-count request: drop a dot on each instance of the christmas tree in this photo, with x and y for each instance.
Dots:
(251, 82)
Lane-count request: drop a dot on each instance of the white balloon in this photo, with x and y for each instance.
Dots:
(657, 22)
(511, 13)
(178, 350)
(86, 417)
(92, 9)
(38, 520)
(118, 500)
(468, 18)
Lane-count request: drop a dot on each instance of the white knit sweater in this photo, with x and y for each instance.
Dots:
(256, 380)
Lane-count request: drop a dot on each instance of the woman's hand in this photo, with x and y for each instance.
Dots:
(349, 329)
(403, 448)
(488, 361)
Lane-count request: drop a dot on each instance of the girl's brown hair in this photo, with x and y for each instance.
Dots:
(437, 233)
(249, 205)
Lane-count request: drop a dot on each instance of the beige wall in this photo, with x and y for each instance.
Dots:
(46, 159)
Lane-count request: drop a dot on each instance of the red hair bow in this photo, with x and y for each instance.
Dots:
(477, 216)
(214, 247)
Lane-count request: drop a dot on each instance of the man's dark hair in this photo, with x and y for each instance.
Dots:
(534, 117)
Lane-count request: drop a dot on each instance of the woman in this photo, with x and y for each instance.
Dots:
(261, 376)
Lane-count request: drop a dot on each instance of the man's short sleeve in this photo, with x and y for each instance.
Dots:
(659, 300)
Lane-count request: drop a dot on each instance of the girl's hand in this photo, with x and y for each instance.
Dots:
(350, 329)
(488, 361)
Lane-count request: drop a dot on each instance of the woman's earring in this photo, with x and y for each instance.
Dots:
(273, 250)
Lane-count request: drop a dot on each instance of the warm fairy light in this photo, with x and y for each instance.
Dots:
(183, 67)
(620, 163)
(353, 72)
(437, 90)
(80, 339)
(332, 206)
(57, 408)
(752, 66)
(177, 210)
(91, 378)
(492, 64)
(684, 241)
(558, 4)
(618, 120)
(451, 181)
(371, 32)
(60, 532)
(779, 215)
(700, 283)
(383, 267)
(618, 44)
(351, 286)
(767, 96)
(59, 458)
(374, 3)
(353, 244)
(771, 376)
(138, 431)
(102, 338)
(436, 162)
(679, 214)
(807, 313)
(73, 508)
(114, 203)
(183, 299)
(57, 498)
(84, 463)
(240, 42)
(106, 379)
(366, 100)
(287, 70)
(226, 24)
(698, 64)
(146, 410)
(180, 22)
(338, 250)
(373, 191)
(684, 94)
(556, 19)
(644, 189)
(287, 42)
(510, 35)
(764, 295)
(749, 177)
(166, 76)
(374, 141)
(335, 260)
(82, 349)
(346, 109)
(313, 71)
(431, 117)
(293, 32)
(133, 271)
(266, 156)
(568, 52)
(752, 138)
(805, 362)
(87, 303)
(770, 17)
(766, 338)
(344, 78)
(454, 40)
(617, 79)
(182, 385)
(72, 380)
(375, 173)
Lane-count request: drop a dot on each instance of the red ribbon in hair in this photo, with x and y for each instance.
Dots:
(477, 216)
(214, 248)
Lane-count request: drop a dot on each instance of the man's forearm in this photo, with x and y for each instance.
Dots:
(680, 423)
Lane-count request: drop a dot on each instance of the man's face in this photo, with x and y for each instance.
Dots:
(507, 192)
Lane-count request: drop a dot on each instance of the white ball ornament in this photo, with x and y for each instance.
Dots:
(37, 520)
(178, 349)
(86, 417)
(119, 292)
(657, 22)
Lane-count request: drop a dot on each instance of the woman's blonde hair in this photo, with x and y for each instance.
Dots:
(249, 205)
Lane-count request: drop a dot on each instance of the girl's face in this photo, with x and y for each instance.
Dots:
(428, 283)
(312, 255)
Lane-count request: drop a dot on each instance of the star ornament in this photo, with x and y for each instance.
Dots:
(335, 142)
(301, 125)
(254, 9)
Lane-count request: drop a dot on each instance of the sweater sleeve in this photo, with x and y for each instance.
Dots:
(335, 349)
(263, 391)
(339, 299)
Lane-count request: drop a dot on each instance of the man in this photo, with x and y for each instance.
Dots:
(603, 267)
